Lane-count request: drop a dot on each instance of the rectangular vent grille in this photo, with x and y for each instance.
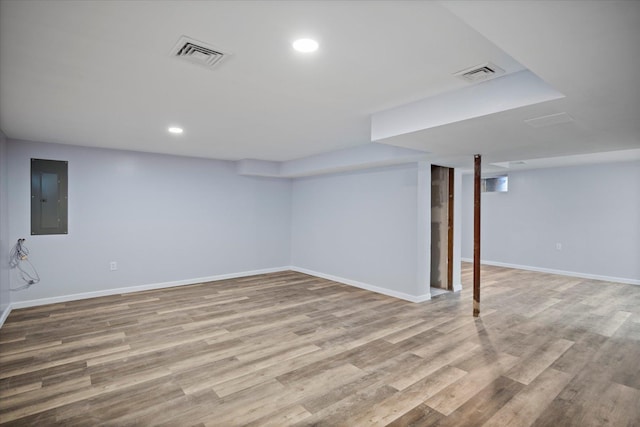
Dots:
(550, 120)
(481, 72)
(198, 52)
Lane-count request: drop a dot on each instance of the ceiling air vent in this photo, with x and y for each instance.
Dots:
(197, 52)
(550, 120)
(480, 73)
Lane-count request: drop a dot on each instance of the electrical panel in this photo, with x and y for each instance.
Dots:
(48, 197)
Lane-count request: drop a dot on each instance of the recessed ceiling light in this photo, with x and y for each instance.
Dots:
(175, 130)
(305, 45)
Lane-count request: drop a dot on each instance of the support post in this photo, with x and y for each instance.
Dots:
(477, 168)
(450, 230)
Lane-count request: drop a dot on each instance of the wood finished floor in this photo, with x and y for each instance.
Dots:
(290, 349)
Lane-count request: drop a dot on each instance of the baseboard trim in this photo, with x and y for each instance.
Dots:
(152, 286)
(5, 314)
(559, 272)
(365, 286)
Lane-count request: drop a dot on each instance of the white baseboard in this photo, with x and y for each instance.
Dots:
(366, 286)
(152, 286)
(559, 272)
(107, 292)
(5, 314)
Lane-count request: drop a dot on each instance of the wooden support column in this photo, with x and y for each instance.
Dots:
(477, 167)
(450, 231)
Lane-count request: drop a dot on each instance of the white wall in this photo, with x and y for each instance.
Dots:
(167, 219)
(162, 218)
(5, 297)
(593, 211)
(360, 226)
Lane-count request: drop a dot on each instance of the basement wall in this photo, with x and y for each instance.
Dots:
(163, 219)
(362, 227)
(592, 211)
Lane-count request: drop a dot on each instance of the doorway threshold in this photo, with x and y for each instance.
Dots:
(438, 291)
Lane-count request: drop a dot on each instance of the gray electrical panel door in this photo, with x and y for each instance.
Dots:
(48, 197)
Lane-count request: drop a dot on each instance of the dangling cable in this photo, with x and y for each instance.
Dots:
(18, 257)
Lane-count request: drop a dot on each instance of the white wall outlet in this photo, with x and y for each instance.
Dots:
(113, 266)
(559, 246)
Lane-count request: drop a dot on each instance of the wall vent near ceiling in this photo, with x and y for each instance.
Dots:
(197, 52)
(482, 72)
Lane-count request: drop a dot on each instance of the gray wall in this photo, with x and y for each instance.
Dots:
(360, 226)
(162, 218)
(593, 211)
(5, 297)
(166, 218)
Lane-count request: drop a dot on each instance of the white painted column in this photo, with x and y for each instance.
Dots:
(457, 230)
(423, 275)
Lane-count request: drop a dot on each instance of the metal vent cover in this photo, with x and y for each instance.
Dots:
(480, 72)
(197, 52)
(550, 120)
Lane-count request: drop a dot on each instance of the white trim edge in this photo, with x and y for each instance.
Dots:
(115, 291)
(5, 314)
(152, 286)
(559, 272)
(365, 286)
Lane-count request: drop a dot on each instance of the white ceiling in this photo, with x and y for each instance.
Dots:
(99, 73)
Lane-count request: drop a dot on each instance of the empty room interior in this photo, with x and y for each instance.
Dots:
(336, 213)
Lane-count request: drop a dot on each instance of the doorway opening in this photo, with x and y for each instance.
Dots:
(442, 188)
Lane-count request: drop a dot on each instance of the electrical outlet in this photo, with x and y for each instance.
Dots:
(559, 246)
(113, 266)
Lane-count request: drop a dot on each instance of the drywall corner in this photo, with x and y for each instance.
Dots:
(5, 293)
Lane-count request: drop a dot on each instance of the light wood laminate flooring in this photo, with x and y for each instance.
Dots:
(290, 349)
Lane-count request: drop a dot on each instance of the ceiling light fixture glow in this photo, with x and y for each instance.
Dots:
(175, 130)
(305, 45)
